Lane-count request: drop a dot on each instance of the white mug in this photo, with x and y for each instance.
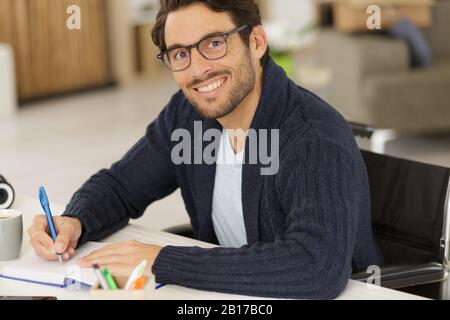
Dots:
(11, 232)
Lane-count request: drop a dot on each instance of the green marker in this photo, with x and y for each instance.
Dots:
(109, 279)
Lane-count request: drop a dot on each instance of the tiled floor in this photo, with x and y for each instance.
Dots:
(59, 143)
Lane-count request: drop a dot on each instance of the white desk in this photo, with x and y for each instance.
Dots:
(31, 207)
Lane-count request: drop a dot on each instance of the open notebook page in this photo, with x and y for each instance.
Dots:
(32, 268)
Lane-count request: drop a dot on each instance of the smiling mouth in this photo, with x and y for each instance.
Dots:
(212, 86)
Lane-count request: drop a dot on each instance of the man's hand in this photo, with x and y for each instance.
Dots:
(122, 258)
(69, 232)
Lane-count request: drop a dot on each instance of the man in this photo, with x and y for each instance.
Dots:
(296, 233)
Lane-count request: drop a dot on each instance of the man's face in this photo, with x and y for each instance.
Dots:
(214, 88)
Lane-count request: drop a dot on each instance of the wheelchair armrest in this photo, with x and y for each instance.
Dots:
(401, 276)
(184, 230)
(361, 130)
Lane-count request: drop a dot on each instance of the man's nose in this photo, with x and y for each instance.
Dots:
(199, 64)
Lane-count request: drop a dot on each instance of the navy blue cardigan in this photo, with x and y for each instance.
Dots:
(307, 227)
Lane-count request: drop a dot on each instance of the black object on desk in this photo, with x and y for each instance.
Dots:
(6, 194)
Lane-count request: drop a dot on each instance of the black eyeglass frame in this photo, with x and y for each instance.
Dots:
(224, 35)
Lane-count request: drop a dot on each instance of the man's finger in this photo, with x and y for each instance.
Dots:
(42, 238)
(66, 256)
(70, 252)
(43, 252)
(119, 269)
(65, 235)
(106, 251)
(101, 260)
(40, 222)
(73, 243)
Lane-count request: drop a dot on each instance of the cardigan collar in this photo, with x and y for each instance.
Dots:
(268, 115)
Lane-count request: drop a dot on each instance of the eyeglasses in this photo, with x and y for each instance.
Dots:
(211, 48)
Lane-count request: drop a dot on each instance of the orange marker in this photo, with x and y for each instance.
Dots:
(139, 283)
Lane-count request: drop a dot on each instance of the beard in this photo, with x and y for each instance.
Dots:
(243, 85)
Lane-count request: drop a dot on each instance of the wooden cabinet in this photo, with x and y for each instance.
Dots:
(50, 58)
(147, 64)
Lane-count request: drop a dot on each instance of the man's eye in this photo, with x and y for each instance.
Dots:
(215, 44)
(181, 55)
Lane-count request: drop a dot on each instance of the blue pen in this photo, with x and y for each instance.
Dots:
(48, 214)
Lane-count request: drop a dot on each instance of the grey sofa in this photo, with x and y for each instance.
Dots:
(372, 81)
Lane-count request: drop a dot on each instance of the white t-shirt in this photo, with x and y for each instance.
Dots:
(227, 213)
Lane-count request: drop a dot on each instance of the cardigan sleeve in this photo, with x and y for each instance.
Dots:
(318, 191)
(106, 202)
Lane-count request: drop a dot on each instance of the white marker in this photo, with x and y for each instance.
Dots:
(136, 274)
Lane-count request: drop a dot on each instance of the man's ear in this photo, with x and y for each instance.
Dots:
(258, 42)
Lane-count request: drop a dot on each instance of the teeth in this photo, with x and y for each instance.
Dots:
(212, 86)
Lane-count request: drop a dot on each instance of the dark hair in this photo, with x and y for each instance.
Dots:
(242, 12)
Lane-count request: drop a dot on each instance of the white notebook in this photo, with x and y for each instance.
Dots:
(33, 269)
